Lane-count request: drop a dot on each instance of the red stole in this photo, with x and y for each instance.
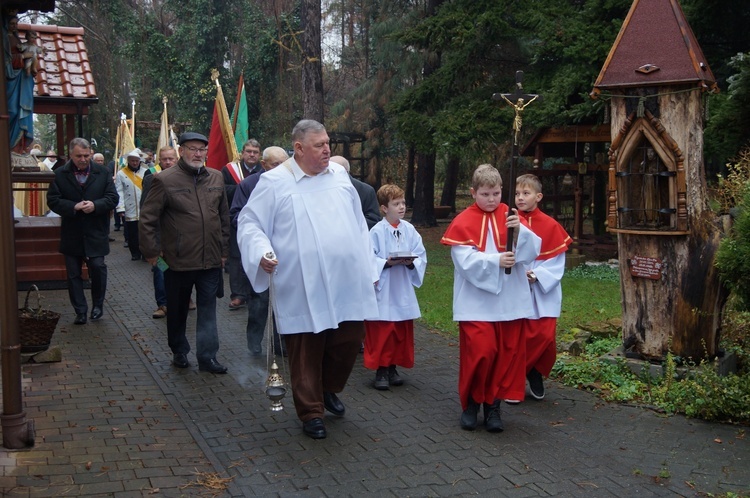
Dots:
(469, 228)
(555, 240)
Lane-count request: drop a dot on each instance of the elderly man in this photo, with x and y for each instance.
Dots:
(185, 222)
(304, 228)
(167, 159)
(129, 183)
(83, 194)
(98, 158)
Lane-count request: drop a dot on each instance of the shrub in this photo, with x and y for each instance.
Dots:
(733, 257)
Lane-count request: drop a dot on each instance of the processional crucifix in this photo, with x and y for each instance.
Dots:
(518, 101)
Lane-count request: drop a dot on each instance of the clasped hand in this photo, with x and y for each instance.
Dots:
(85, 206)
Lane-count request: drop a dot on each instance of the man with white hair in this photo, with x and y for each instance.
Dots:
(129, 184)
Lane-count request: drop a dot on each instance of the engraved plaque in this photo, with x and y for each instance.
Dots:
(643, 267)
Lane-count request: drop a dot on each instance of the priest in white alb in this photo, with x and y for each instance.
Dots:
(303, 226)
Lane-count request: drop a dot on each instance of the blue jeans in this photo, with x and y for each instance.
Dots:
(160, 292)
(179, 285)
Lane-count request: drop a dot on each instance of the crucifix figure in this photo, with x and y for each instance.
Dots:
(522, 100)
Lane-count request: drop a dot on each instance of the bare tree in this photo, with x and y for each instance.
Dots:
(312, 69)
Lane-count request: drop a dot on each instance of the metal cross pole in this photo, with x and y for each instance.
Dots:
(519, 101)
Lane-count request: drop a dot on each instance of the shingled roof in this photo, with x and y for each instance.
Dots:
(65, 74)
(655, 46)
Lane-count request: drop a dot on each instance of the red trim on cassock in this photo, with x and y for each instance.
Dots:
(469, 228)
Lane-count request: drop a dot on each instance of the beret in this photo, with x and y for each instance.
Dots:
(191, 135)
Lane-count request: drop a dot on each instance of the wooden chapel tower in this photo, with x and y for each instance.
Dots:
(657, 80)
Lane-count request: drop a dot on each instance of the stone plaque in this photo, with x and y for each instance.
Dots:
(643, 267)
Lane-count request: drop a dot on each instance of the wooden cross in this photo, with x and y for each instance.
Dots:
(519, 101)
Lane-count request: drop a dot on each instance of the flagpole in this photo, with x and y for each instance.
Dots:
(237, 103)
(132, 122)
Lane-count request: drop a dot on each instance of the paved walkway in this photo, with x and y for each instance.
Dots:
(115, 419)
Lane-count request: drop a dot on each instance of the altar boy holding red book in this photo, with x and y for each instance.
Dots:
(389, 341)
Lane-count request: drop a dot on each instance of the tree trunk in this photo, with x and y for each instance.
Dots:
(424, 201)
(410, 177)
(312, 69)
(678, 306)
(448, 198)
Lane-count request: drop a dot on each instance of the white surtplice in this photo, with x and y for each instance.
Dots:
(315, 227)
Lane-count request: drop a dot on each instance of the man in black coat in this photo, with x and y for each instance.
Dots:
(83, 194)
(367, 194)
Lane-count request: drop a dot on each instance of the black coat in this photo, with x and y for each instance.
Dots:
(83, 234)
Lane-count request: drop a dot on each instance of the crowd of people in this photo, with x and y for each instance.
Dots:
(337, 261)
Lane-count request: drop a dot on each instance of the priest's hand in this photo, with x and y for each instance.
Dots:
(268, 265)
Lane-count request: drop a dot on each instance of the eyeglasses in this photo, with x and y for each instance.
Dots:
(195, 149)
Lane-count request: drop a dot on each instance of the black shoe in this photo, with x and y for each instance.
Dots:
(96, 313)
(80, 319)
(333, 404)
(492, 420)
(469, 416)
(180, 360)
(125, 244)
(134, 258)
(314, 428)
(256, 350)
(212, 366)
(536, 384)
(117, 229)
(381, 379)
(394, 379)
(111, 239)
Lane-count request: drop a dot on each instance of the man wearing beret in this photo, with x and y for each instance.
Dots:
(185, 222)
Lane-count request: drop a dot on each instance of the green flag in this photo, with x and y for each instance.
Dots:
(240, 123)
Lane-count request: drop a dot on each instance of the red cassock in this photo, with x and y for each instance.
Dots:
(492, 354)
(389, 343)
(540, 332)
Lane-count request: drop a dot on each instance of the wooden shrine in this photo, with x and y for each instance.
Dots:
(64, 87)
(657, 79)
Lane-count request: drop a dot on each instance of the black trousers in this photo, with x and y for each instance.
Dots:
(131, 235)
(97, 274)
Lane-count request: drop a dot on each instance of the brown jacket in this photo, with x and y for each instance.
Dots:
(185, 218)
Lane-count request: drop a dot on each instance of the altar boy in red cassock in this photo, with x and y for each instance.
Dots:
(389, 341)
(489, 304)
(544, 275)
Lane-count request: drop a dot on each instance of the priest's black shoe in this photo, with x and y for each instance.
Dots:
(333, 404)
(80, 319)
(180, 360)
(212, 366)
(314, 428)
(96, 313)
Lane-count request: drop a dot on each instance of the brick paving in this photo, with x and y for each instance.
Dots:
(113, 418)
